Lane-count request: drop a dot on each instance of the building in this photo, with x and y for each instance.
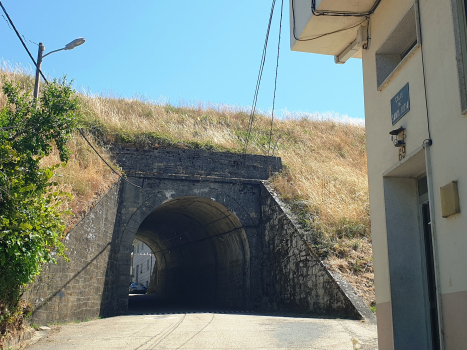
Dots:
(142, 263)
(414, 57)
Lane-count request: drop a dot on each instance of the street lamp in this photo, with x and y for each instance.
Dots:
(69, 46)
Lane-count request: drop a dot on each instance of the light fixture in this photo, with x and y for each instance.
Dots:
(40, 56)
(74, 43)
(398, 136)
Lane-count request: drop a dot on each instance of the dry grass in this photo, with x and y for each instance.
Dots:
(325, 176)
(85, 177)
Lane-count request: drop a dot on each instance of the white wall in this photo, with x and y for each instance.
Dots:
(143, 262)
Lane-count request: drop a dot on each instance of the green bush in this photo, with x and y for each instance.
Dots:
(31, 226)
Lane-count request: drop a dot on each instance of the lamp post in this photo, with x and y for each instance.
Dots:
(40, 56)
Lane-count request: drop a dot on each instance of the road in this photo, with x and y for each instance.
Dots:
(211, 330)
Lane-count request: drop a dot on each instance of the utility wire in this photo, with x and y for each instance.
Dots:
(342, 13)
(24, 37)
(116, 172)
(275, 81)
(202, 239)
(8, 23)
(322, 35)
(258, 82)
(22, 42)
(45, 79)
(429, 141)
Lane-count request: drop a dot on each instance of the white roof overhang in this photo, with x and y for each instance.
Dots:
(328, 35)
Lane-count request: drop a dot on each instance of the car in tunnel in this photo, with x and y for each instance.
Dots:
(137, 288)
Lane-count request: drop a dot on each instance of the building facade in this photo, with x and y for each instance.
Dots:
(142, 263)
(414, 57)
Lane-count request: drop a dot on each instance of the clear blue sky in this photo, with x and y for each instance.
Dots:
(183, 51)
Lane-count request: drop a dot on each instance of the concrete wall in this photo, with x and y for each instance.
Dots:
(409, 299)
(75, 290)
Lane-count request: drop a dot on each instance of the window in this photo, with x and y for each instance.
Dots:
(137, 248)
(460, 32)
(141, 271)
(398, 47)
(148, 265)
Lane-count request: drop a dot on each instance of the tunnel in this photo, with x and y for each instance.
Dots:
(202, 253)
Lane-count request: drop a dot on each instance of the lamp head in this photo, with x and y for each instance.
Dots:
(74, 43)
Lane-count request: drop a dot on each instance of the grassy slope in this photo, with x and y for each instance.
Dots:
(325, 178)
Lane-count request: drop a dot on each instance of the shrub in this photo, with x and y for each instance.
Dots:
(31, 225)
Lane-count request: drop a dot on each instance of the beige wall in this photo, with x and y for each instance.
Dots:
(382, 155)
(449, 149)
(448, 128)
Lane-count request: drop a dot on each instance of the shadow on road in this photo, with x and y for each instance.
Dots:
(148, 304)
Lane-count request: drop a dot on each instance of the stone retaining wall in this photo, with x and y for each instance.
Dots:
(74, 290)
(294, 279)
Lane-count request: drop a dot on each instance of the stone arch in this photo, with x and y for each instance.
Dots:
(201, 248)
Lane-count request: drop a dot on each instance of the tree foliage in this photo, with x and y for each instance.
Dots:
(31, 225)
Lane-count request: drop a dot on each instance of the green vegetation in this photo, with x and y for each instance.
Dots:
(31, 225)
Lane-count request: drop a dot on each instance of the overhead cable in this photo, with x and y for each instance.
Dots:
(22, 42)
(343, 13)
(45, 79)
(275, 81)
(320, 35)
(258, 82)
(102, 158)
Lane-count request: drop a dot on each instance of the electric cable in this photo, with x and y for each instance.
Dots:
(46, 81)
(343, 13)
(429, 141)
(202, 239)
(258, 82)
(275, 81)
(321, 35)
(119, 175)
(22, 42)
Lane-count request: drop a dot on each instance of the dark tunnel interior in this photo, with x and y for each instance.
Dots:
(202, 254)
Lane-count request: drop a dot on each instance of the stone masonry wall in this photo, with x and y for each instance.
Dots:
(191, 162)
(72, 291)
(294, 279)
(280, 270)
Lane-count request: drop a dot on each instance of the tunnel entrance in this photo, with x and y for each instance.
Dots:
(202, 254)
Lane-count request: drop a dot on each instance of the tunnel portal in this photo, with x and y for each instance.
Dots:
(202, 253)
(221, 236)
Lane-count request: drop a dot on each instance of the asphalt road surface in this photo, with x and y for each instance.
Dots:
(209, 330)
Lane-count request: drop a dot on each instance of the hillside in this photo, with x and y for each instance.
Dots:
(324, 181)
